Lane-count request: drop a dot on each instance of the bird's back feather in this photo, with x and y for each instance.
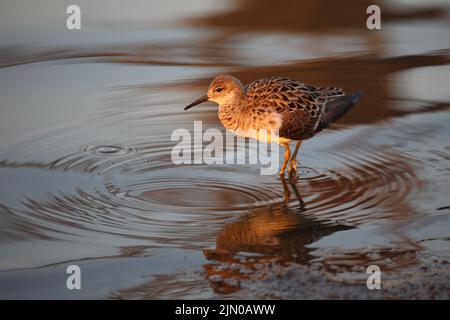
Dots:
(304, 109)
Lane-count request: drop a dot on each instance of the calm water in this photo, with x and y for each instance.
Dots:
(86, 175)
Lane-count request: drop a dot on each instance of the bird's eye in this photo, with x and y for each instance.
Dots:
(218, 89)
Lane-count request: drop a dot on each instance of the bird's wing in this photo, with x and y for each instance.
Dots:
(301, 106)
(303, 123)
(335, 108)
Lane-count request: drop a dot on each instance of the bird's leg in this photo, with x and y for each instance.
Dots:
(287, 155)
(297, 194)
(293, 162)
(287, 193)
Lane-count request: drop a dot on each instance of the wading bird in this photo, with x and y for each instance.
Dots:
(287, 109)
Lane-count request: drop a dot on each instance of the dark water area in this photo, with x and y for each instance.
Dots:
(86, 175)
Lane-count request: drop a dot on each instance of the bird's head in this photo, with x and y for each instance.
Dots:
(222, 90)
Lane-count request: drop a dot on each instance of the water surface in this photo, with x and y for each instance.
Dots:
(86, 175)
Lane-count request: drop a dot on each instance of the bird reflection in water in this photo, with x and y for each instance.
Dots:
(278, 233)
(287, 193)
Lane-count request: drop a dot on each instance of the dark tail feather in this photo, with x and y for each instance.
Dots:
(336, 108)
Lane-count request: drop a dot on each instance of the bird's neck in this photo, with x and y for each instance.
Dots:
(232, 115)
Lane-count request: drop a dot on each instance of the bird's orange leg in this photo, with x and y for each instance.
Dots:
(293, 162)
(287, 193)
(287, 155)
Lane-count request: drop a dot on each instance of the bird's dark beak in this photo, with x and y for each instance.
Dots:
(196, 102)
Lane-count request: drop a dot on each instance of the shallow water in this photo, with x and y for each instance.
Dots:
(87, 177)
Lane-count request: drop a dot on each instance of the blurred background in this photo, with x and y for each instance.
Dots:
(86, 176)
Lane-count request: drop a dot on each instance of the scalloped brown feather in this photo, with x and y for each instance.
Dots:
(300, 106)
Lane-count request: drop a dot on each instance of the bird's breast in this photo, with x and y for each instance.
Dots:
(262, 127)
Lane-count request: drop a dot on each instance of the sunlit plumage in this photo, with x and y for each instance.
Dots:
(287, 108)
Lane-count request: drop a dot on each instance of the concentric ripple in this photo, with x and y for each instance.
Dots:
(364, 183)
(108, 150)
(134, 195)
